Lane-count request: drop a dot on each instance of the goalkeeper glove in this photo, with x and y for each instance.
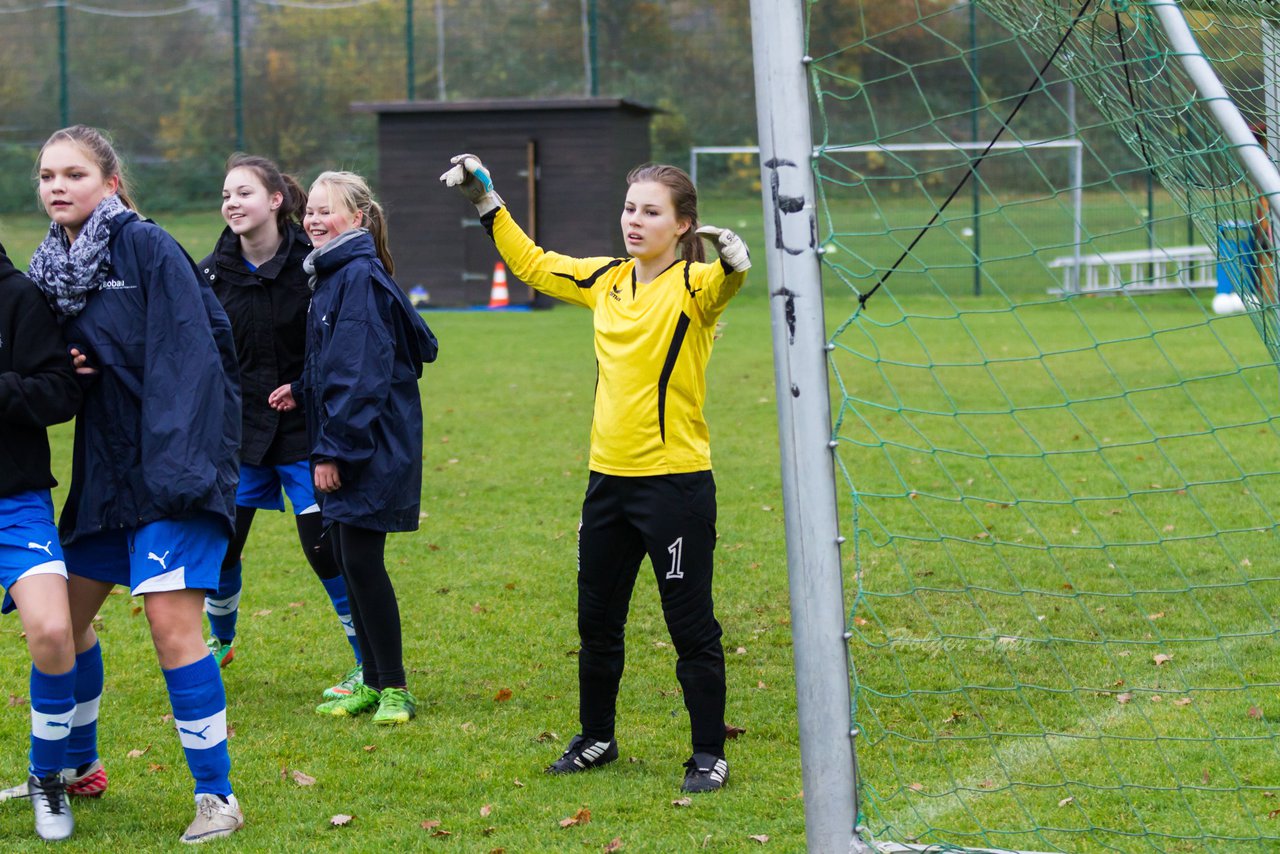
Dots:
(729, 246)
(472, 179)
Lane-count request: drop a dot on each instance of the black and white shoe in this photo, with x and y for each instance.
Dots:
(584, 754)
(705, 772)
(49, 802)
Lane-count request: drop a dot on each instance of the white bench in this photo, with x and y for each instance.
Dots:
(1139, 270)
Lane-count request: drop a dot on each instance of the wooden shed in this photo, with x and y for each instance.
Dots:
(559, 164)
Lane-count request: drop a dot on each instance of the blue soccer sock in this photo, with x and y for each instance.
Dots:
(82, 744)
(200, 715)
(53, 705)
(223, 607)
(336, 587)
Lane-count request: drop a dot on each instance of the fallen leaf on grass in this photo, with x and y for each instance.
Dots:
(136, 610)
(1182, 701)
(430, 824)
(15, 700)
(477, 608)
(986, 784)
(682, 802)
(341, 819)
(1122, 699)
(1255, 713)
(516, 782)
(1157, 615)
(545, 736)
(369, 748)
(759, 837)
(1161, 659)
(502, 696)
(731, 731)
(264, 612)
(485, 811)
(303, 779)
(155, 767)
(916, 787)
(614, 844)
(1066, 800)
(296, 604)
(582, 816)
(440, 834)
(135, 753)
(1273, 813)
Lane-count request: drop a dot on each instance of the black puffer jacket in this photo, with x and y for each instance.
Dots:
(268, 312)
(37, 385)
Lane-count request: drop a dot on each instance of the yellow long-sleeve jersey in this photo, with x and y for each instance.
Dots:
(652, 340)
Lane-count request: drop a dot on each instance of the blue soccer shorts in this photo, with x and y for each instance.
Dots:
(261, 487)
(168, 554)
(28, 540)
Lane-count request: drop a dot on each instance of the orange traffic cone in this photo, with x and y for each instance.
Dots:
(498, 296)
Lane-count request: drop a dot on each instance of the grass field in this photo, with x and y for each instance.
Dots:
(1047, 495)
(487, 595)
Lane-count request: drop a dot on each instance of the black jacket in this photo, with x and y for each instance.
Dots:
(268, 312)
(37, 385)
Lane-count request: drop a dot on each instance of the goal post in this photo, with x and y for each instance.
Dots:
(1062, 605)
(1074, 187)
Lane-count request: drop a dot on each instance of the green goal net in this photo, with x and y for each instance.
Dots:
(1055, 395)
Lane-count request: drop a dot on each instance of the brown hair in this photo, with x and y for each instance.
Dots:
(97, 145)
(683, 195)
(353, 193)
(294, 198)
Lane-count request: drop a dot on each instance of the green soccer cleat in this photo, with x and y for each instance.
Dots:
(397, 706)
(221, 652)
(354, 677)
(362, 699)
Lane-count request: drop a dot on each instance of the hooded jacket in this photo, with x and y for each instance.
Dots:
(366, 346)
(38, 387)
(267, 308)
(159, 431)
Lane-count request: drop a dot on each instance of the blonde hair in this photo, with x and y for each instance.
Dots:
(97, 145)
(352, 192)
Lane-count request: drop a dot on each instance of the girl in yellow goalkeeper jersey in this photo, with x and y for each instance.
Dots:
(650, 489)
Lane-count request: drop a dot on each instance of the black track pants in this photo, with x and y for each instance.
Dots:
(672, 518)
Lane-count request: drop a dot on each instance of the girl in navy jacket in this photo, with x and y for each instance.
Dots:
(153, 480)
(365, 349)
(256, 273)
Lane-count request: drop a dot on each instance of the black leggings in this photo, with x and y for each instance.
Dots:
(374, 611)
(310, 529)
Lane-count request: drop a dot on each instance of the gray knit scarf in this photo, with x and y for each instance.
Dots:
(309, 264)
(67, 271)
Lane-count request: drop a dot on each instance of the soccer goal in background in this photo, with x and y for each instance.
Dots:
(1055, 622)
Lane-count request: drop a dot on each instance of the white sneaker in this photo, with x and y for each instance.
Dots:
(214, 818)
(49, 802)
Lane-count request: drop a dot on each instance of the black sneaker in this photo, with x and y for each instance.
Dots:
(706, 773)
(583, 754)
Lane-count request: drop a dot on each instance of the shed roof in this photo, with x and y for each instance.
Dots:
(503, 105)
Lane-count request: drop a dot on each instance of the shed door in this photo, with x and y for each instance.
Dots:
(514, 170)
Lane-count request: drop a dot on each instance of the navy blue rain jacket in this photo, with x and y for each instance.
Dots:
(158, 433)
(365, 349)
